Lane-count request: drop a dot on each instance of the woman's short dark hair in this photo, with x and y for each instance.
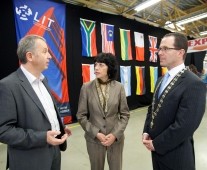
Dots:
(110, 60)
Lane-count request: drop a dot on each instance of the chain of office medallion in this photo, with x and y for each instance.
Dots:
(167, 89)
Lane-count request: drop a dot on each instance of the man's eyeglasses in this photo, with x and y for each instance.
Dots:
(165, 49)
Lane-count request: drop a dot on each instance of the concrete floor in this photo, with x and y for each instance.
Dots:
(135, 154)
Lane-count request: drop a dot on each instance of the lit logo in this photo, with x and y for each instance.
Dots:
(25, 12)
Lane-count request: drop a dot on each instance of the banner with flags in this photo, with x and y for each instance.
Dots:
(107, 32)
(47, 20)
(140, 75)
(126, 49)
(197, 45)
(139, 46)
(153, 77)
(125, 74)
(153, 48)
(88, 72)
(88, 33)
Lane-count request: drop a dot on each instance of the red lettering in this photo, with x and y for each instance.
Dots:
(190, 43)
(197, 42)
(204, 40)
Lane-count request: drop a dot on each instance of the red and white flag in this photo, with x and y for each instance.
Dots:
(107, 32)
(139, 45)
(153, 48)
(88, 72)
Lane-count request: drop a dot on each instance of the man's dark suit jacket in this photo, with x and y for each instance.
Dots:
(176, 121)
(24, 124)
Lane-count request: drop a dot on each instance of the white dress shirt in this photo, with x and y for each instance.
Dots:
(44, 97)
(173, 72)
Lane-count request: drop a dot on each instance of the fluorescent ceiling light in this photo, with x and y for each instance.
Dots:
(185, 21)
(170, 25)
(203, 33)
(191, 19)
(146, 4)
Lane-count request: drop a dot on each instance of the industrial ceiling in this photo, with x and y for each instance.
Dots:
(163, 14)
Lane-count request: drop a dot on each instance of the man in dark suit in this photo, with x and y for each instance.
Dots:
(176, 111)
(29, 123)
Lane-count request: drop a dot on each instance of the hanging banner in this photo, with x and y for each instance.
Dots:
(153, 78)
(107, 32)
(126, 49)
(164, 70)
(197, 45)
(47, 19)
(139, 46)
(140, 76)
(153, 48)
(125, 74)
(88, 33)
(88, 72)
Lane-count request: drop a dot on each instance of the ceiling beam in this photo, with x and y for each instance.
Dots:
(92, 1)
(156, 16)
(141, 20)
(187, 13)
(197, 8)
(94, 5)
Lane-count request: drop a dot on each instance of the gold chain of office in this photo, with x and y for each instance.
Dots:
(167, 89)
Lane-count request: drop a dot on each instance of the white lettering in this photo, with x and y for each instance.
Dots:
(44, 19)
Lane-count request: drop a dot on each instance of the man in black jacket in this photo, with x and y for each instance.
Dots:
(176, 111)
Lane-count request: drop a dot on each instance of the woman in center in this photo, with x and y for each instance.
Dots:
(103, 114)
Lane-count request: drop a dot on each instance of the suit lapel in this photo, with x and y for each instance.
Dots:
(28, 88)
(181, 79)
(112, 92)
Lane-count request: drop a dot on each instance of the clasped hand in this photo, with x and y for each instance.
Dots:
(146, 140)
(106, 140)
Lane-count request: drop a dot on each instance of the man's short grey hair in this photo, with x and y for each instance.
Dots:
(27, 44)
